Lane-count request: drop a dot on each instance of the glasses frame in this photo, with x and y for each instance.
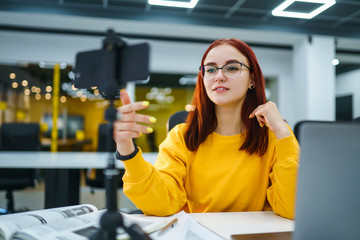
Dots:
(202, 68)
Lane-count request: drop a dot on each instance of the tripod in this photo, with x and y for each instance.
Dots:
(112, 218)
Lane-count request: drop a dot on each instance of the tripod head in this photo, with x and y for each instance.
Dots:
(112, 66)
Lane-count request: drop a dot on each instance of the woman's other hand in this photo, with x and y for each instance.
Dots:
(268, 115)
(130, 124)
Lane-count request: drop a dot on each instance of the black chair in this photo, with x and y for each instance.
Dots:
(356, 120)
(18, 137)
(95, 177)
(176, 118)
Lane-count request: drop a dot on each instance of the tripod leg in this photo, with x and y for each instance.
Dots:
(10, 203)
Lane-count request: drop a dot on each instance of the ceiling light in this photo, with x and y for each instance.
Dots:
(27, 92)
(279, 11)
(190, 4)
(335, 61)
(63, 99)
(50, 65)
(48, 96)
(14, 84)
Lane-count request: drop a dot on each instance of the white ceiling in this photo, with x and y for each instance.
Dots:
(249, 20)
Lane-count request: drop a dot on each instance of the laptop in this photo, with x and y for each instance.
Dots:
(328, 191)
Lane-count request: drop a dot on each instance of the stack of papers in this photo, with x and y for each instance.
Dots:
(185, 228)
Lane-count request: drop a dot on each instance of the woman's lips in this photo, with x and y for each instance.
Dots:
(220, 89)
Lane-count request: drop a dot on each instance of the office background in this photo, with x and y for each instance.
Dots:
(296, 55)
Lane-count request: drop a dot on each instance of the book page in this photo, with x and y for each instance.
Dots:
(64, 229)
(186, 228)
(11, 223)
(148, 225)
(197, 232)
(84, 226)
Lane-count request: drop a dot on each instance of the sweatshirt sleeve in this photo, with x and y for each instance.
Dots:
(283, 176)
(158, 190)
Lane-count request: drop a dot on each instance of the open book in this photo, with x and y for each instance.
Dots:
(67, 223)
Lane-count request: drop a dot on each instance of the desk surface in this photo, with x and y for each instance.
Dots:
(46, 142)
(62, 171)
(227, 223)
(58, 160)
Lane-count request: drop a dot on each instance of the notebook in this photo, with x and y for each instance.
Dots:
(328, 193)
(263, 236)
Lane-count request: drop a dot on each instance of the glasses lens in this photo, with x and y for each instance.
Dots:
(209, 71)
(229, 70)
(232, 69)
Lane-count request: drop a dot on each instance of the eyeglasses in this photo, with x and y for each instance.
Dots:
(208, 72)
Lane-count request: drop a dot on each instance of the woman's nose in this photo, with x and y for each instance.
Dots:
(220, 76)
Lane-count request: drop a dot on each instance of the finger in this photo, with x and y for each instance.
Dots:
(260, 119)
(132, 126)
(263, 123)
(256, 110)
(133, 107)
(258, 113)
(124, 96)
(137, 118)
(127, 134)
(252, 115)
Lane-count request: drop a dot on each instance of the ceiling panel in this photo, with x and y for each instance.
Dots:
(342, 19)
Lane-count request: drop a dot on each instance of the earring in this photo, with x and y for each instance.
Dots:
(251, 87)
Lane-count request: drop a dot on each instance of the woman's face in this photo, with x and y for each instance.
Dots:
(227, 89)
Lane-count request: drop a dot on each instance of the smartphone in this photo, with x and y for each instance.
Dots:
(111, 70)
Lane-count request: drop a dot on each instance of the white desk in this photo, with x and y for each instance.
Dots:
(62, 175)
(61, 160)
(227, 223)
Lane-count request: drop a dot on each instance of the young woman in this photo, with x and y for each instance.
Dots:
(234, 153)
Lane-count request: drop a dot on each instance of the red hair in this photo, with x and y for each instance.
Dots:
(202, 120)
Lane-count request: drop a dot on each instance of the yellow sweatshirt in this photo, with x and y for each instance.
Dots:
(218, 177)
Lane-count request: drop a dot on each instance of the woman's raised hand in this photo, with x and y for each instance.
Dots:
(268, 115)
(129, 125)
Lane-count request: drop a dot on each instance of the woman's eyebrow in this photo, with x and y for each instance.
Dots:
(228, 61)
(233, 61)
(211, 63)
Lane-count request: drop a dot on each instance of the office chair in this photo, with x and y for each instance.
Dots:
(176, 118)
(356, 120)
(95, 177)
(18, 137)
